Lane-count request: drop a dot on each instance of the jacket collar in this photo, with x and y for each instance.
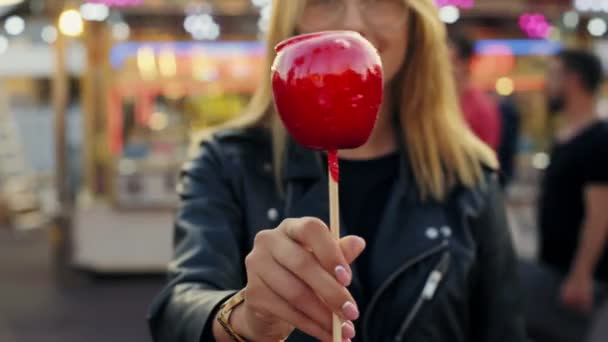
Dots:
(301, 163)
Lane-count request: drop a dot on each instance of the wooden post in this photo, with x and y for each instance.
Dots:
(61, 229)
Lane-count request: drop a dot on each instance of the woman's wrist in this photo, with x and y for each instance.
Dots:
(237, 322)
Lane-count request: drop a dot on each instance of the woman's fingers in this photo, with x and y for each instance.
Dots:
(306, 267)
(263, 299)
(297, 276)
(291, 289)
(314, 235)
(352, 247)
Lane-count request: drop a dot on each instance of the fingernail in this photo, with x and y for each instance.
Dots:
(348, 330)
(342, 275)
(350, 311)
(346, 340)
(360, 242)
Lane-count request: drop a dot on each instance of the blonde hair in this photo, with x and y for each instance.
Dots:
(441, 148)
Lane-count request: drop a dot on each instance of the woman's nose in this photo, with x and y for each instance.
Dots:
(354, 18)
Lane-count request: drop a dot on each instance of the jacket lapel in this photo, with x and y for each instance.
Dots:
(305, 184)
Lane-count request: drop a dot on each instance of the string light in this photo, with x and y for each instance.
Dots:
(597, 27)
(535, 25)
(70, 23)
(591, 5)
(121, 31)
(505, 86)
(14, 25)
(202, 26)
(49, 34)
(94, 12)
(449, 14)
(571, 19)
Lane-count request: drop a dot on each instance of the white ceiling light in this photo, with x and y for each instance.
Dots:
(449, 14)
(597, 27)
(583, 5)
(49, 34)
(94, 12)
(70, 23)
(591, 5)
(571, 19)
(121, 31)
(9, 2)
(261, 3)
(14, 25)
(202, 26)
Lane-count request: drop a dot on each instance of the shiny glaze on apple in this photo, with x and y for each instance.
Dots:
(327, 88)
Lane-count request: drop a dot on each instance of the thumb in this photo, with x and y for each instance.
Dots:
(352, 247)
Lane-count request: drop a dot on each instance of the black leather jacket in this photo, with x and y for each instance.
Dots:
(444, 272)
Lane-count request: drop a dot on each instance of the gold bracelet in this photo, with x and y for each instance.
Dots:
(225, 312)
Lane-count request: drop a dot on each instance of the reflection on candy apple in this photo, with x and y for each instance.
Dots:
(328, 88)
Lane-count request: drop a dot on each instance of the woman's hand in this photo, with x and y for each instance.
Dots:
(297, 277)
(577, 292)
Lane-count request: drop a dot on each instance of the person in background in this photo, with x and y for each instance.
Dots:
(509, 138)
(479, 109)
(573, 205)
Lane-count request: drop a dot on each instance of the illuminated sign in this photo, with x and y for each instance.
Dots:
(517, 47)
(591, 5)
(123, 51)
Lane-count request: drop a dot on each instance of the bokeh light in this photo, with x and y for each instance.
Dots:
(158, 121)
(535, 25)
(14, 25)
(70, 23)
(94, 12)
(202, 26)
(540, 161)
(597, 27)
(571, 19)
(505, 86)
(449, 14)
(49, 34)
(121, 31)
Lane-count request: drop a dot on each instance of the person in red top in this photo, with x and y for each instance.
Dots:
(479, 109)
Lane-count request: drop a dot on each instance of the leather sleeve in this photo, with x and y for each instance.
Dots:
(207, 265)
(497, 307)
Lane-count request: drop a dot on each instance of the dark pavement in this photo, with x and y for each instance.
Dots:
(33, 307)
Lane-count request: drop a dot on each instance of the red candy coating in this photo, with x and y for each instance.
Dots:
(328, 88)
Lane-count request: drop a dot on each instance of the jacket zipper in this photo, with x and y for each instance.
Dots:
(386, 284)
(427, 294)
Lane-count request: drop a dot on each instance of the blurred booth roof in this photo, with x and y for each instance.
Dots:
(168, 7)
(490, 8)
(514, 8)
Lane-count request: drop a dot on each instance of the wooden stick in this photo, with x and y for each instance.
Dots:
(334, 218)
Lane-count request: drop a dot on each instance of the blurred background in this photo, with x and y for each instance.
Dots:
(99, 103)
